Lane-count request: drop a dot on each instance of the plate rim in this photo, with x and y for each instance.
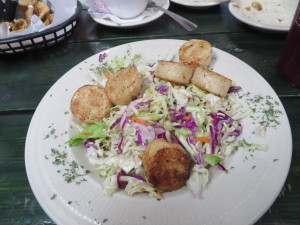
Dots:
(197, 5)
(261, 26)
(142, 22)
(50, 214)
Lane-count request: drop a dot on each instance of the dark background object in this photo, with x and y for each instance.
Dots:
(8, 10)
(40, 40)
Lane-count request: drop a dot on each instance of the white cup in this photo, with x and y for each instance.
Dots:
(126, 9)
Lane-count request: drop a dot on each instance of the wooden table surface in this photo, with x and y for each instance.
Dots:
(24, 80)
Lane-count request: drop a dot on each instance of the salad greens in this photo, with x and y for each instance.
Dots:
(207, 126)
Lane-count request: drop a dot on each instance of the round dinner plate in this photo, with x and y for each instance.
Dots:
(275, 16)
(132, 23)
(198, 3)
(240, 196)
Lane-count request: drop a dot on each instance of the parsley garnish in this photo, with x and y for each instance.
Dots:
(53, 196)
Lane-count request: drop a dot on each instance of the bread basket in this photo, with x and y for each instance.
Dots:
(41, 40)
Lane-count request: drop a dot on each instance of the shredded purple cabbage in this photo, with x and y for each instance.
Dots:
(140, 139)
(174, 139)
(124, 119)
(212, 139)
(199, 158)
(161, 136)
(192, 140)
(115, 123)
(221, 167)
(177, 115)
(163, 89)
(217, 136)
(219, 119)
(102, 57)
(137, 105)
(120, 140)
(139, 177)
(123, 184)
(234, 89)
(90, 143)
(191, 124)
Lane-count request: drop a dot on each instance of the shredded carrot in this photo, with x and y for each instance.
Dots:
(87, 133)
(117, 109)
(138, 120)
(106, 74)
(186, 117)
(203, 139)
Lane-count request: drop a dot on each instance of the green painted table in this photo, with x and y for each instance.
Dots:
(24, 79)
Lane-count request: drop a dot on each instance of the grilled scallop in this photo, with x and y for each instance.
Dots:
(174, 72)
(196, 53)
(124, 85)
(210, 81)
(90, 103)
(167, 166)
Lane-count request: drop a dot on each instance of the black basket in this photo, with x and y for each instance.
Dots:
(40, 40)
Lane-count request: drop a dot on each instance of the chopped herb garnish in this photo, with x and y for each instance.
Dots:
(53, 196)
(104, 220)
(71, 174)
(69, 202)
(274, 160)
(59, 158)
(144, 217)
(253, 167)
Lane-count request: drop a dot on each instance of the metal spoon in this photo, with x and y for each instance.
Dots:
(188, 25)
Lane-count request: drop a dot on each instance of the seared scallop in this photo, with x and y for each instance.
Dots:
(124, 85)
(90, 103)
(174, 72)
(196, 53)
(167, 166)
(210, 81)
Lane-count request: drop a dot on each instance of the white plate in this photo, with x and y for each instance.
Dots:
(239, 197)
(272, 17)
(198, 3)
(132, 23)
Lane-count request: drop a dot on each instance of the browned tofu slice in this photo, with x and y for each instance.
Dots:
(174, 72)
(210, 81)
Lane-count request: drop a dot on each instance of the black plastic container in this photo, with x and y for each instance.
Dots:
(40, 40)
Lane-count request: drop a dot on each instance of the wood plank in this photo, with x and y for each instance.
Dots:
(19, 206)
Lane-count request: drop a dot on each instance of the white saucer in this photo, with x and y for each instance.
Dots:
(264, 20)
(198, 3)
(133, 23)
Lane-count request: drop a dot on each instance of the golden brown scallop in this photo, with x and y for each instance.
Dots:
(211, 81)
(196, 53)
(90, 103)
(174, 72)
(167, 166)
(124, 85)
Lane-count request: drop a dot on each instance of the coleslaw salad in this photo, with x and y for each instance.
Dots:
(207, 126)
